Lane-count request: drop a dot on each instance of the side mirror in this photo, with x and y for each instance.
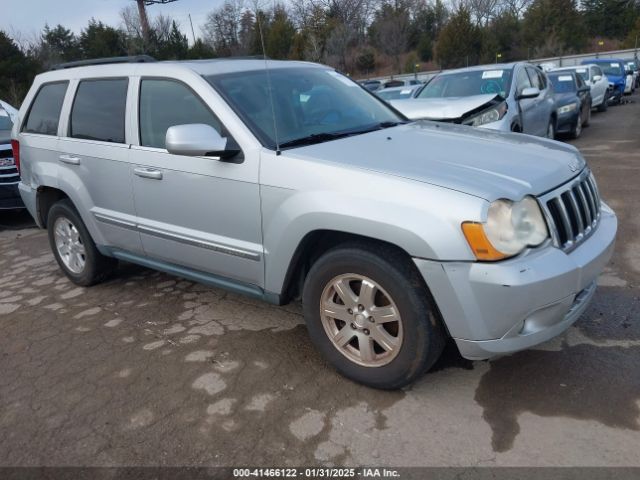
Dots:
(531, 92)
(597, 78)
(197, 140)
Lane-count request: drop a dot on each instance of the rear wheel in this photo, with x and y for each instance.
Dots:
(73, 247)
(370, 314)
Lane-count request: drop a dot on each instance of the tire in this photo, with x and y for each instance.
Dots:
(73, 247)
(587, 121)
(551, 129)
(414, 338)
(577, 129)
(604, 106)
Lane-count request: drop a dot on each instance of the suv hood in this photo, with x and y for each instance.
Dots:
(479, 162)
(450, 108)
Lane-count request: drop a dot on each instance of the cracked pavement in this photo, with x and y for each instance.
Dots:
(149, 369)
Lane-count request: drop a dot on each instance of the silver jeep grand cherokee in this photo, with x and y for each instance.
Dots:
(293, 181)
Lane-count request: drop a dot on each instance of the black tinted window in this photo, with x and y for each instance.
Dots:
(167, 103)
(99, 110)
(44, 114)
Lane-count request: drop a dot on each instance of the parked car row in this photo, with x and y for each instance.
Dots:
(518, 97)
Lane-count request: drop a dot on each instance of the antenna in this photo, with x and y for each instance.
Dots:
(266, 68)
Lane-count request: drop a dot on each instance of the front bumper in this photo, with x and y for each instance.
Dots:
(10, 197)
(567, 121)
(492, 309)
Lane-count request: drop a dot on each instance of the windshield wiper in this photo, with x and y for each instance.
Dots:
(327, 136)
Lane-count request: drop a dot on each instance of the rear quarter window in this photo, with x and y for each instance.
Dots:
(98, 111)
(44, 112)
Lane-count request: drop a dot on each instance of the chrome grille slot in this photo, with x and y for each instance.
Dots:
(573, 211)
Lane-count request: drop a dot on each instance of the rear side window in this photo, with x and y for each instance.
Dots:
(167, 103)
(98, 111)
(44, 114)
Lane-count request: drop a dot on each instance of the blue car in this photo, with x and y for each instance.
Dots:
(573, 102)
(615, 70)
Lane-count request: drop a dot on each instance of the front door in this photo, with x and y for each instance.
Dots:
(528, 111)
(202, 213)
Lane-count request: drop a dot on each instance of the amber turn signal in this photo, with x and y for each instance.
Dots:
(479, 243)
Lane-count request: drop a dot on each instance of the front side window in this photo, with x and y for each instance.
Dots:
(310, 105)
(522, 80)
(98, 111)
(166, 103)
(535, 78)
(44, 114)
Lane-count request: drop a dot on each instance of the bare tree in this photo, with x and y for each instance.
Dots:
(483, 11)
(515, 7)
(222, 28)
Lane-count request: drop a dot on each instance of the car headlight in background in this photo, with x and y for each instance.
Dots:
(510, 228)
(567, 108)
(490, 115)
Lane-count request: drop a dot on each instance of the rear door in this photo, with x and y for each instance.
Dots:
(94, 160)
(541, 106)
(38, 136)
(198, 212)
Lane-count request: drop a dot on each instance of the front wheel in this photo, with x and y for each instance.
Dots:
(587, 119)
(604, 106)
(577, 128)
(73, 247)
(369, 313)
(551, 129)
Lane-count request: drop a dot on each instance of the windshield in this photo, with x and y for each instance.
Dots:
(563, 83)
(469, 83)
(307, 101)
(613, 68)
(395, 94)
(5, 120)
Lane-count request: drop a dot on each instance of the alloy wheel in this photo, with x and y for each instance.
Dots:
(69, 245)
(361, 320)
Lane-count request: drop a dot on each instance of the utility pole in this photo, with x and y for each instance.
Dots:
(144, 20)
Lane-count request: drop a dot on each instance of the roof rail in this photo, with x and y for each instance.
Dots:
(104, 61)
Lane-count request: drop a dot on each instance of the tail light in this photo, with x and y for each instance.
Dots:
(15, 147)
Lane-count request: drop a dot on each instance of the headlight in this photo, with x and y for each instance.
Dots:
(491, 115)
(510, 228)
(567, 108)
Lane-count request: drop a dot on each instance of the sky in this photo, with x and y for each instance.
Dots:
(28, 17)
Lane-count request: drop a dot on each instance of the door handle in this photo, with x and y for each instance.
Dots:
(148, 173)
(68, 159)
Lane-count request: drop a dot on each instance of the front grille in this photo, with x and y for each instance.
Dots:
(573, 211)
(8, 171)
